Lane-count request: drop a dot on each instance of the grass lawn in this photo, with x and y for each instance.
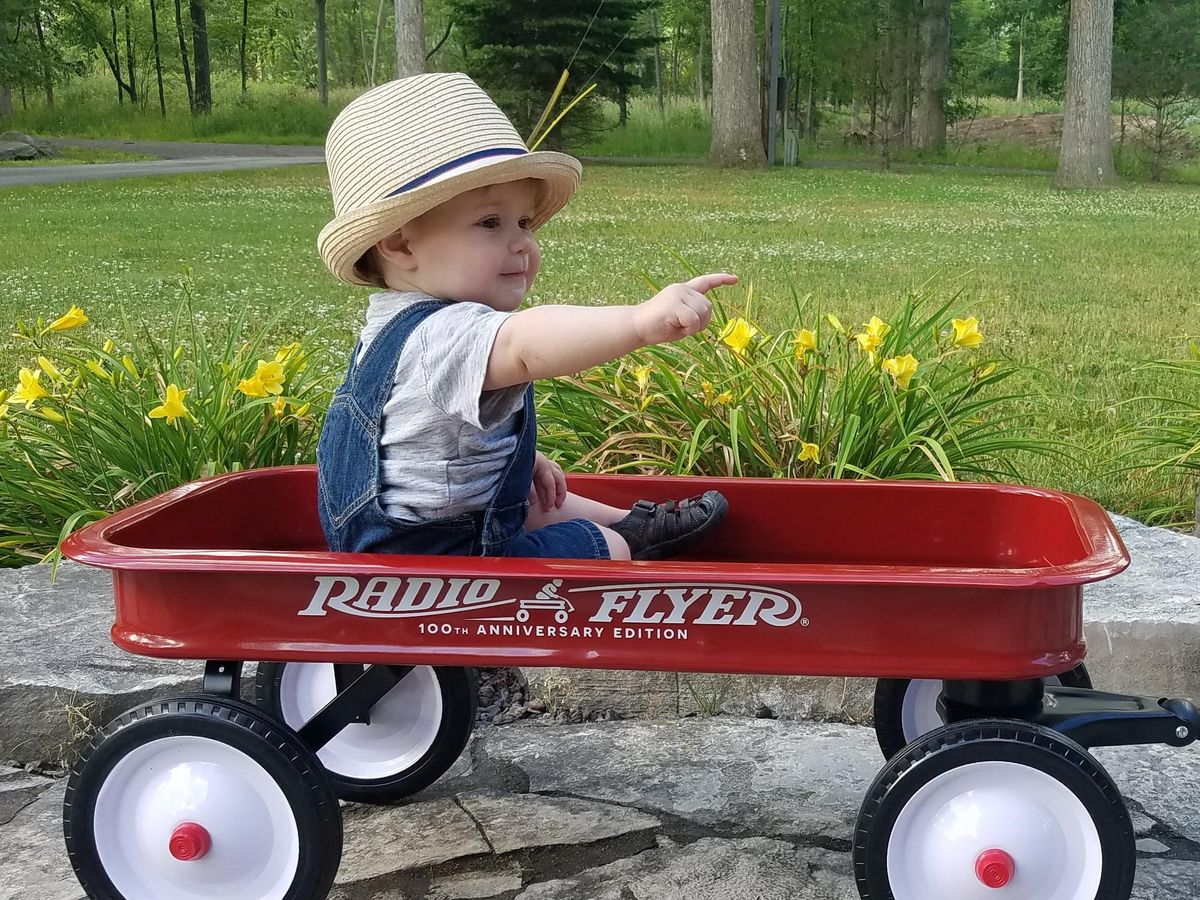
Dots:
(1078, 287)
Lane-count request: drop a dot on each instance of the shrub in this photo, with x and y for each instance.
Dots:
(95, 425)
(909, 397)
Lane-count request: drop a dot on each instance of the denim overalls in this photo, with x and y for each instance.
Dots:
(352, 517)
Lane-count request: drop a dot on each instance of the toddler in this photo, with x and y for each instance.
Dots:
(430, 443)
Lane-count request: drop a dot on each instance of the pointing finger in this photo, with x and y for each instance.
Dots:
(705, 283)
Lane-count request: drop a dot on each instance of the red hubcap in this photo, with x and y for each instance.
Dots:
(994, 868)
(189, 841)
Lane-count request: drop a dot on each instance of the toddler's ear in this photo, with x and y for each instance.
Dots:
(395, 249)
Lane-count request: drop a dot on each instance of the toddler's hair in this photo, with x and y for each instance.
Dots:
(370, 267)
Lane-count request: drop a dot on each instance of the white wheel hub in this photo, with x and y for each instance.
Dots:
(918, 710)
(156, 787)
(403, 724)
(984, 807)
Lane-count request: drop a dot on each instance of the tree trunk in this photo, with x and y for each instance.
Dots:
(114, 62)
(129, 57)
(1085, 159)
(1021, 61)
(810, 109)
(162, 100)
(935, 67)
(375, 48)
(183, 55)
(736, 133)
(200, 57)
(658, 83)
(322, 61)
(410, 38)
(47, 77)
(242, 43)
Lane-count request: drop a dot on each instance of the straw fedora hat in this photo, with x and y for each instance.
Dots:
(402, 148)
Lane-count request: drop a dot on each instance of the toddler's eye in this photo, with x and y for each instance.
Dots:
(490, 222)
(525, 223)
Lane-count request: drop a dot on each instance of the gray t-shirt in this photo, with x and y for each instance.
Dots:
(445, 441)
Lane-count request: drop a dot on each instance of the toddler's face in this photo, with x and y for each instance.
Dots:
(477, 246)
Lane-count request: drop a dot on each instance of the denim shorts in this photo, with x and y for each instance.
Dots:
(573, 539)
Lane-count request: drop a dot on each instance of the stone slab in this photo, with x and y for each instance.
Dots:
(33, 859)
(795, 778)
(477, 885)
(51, 700)
(1164, 780)
(15, 795)
(383, 840)
(1166, 879)
(711, 869)
(523, 821)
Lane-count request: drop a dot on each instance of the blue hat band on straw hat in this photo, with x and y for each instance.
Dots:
(455, 163)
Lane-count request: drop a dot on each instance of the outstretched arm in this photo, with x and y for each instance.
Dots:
(547, 341)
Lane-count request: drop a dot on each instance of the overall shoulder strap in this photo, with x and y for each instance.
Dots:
(372, 378)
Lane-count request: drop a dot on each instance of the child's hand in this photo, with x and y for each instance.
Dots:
(549, 488)
(678, 309)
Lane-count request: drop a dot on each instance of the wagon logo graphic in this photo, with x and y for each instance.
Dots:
(652, 603)
(547, 598)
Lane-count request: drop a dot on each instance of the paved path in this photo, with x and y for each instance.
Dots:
(178, 157)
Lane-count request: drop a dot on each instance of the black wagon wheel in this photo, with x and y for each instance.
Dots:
(906, 708)
(992, 809)
(404, 743)
(204, 798)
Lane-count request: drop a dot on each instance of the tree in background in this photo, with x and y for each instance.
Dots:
(410, 38)
(517, 50)
(200, 57)
(1156, 60)
(736, 127)
(1085, 158)
(935, 69)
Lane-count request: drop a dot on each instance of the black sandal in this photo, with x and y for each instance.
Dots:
(660, 530)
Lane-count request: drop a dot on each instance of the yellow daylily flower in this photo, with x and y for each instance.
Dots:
(302, 410)
(3, 404)
(725, 397)
(867, 342)
(986, 370)
(809, 451)
(96, 368)
(279, 407)
(49, 368)
(707, 387)
(267, 379)
(108, 346)
(966, 332)
(836, 323)
(803, 342)
(51, 415)
(642, 374)
(30, 388)
(287, 351)
(172, 407)
(127, 362)
(901, 368)
(877, 327)
(737, 335)
(73, 318)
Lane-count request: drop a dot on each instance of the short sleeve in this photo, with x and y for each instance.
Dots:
(456, 343)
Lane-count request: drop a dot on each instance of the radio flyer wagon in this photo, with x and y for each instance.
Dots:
(964, 600)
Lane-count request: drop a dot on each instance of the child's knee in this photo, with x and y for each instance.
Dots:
(617, 548)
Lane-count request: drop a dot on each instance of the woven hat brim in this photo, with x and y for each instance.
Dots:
(347, 237)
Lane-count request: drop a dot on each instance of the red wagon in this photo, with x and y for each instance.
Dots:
(964, 600)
